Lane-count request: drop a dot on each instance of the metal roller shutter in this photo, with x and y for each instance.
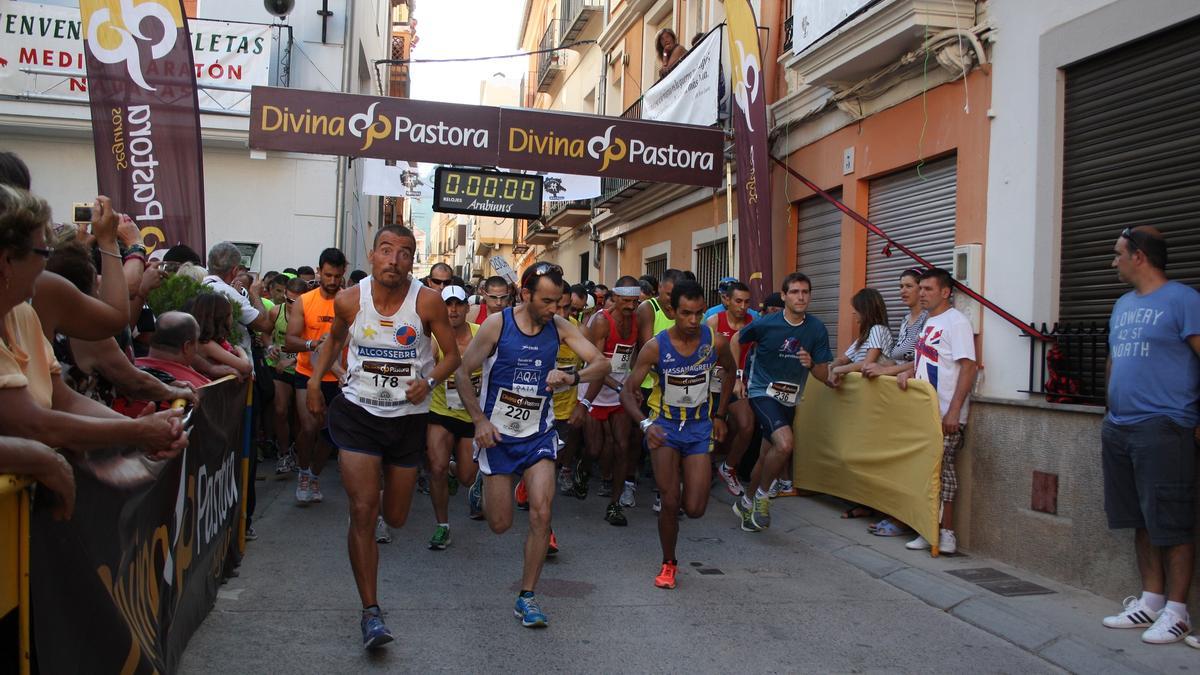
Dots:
(819, 255)
(1131, 156)
(917, 210)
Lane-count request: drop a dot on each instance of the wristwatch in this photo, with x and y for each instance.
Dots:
(645, 424)
(576, 382)
(431, 382)
(586, 403)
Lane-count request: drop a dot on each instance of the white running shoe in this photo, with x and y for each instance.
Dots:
(382, 534)
(773, 492)
(657, 503)
(1167, 628)
(918, 544)
(314, 487)
(628, 500)
(303, 491)
(1137, 614)
(731, 480)
(1192, 641)
(947, 541)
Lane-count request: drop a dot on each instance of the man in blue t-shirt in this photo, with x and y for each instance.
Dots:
(1149, 435)
(787, 345)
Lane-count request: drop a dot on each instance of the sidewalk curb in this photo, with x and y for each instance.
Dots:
(971, 606)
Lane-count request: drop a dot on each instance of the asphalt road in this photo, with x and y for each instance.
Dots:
(749, 602)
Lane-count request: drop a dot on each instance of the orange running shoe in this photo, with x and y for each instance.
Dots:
(552, 549)
(666, 577)
(521, 495)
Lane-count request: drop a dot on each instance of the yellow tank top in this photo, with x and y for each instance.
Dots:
(661, 323)
(445, 400)
(568, 361)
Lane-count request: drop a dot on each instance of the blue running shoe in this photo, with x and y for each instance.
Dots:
(375, 634)
(475, 498)
(530, 612)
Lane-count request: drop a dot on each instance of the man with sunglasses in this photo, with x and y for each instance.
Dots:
(514, 418)
(439, 275)
(1148, 439)
(495, 298)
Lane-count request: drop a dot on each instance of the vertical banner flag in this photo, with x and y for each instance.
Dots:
(750, 137)
(145, 116)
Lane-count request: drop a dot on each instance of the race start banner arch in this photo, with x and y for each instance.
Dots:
(353, 125)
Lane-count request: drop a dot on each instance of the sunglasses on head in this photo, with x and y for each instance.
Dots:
(1128, 234)
(541, 269)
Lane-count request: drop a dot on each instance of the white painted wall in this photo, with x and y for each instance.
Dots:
(284, 202)
(1034, 40)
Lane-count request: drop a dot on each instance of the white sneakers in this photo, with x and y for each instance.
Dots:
(382, 534)
(1162, 627)
(628, 499)
(1136, 615)
(947, 542)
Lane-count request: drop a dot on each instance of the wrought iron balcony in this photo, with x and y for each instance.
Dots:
(576, 14)
(550, 64)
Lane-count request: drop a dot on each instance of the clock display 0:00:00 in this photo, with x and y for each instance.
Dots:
(490, 187)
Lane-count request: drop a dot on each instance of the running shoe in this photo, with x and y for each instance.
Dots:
(251, 535)
(732, 484)
(629, 495)
(666, 576)
(314, 487)
(440, 539)
(303, 491)
(566, 483)
(530, 612)
(605, 488)
(286, 462)
(615, 516)
(423, 483)
(521, 495)
(580, 481)
(552, 549)
(744, 513)
(475, 498)
(657, 503)
(918, 544)
(787, 489)
(1167, 628)
(375, 634)
(382, 534)
(774, 491)
(761, 516)
(1136, 614)
(452, 480)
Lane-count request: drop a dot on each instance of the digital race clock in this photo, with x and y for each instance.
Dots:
(487, 193)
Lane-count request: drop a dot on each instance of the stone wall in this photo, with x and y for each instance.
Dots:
(1006, 443)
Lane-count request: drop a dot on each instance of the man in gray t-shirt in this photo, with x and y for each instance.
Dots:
(224, 261)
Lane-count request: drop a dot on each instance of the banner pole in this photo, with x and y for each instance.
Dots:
(733, 261)
(23, 533)
(247, 422)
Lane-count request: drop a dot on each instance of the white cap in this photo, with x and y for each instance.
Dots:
(591, 302)
(455, 292)
(158, 254)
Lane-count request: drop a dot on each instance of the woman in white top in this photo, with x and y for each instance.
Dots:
(873, 342)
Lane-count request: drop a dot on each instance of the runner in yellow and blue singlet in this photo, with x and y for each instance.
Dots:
(681, 429)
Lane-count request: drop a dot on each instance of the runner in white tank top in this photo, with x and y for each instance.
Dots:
(378, 421)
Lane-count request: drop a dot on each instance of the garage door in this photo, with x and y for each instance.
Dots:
(819, 255)
(916, 208)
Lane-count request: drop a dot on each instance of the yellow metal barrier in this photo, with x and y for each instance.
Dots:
(14, 559)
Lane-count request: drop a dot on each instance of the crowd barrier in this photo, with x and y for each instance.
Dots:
(871, 443)
(14, 569)
(122, 586)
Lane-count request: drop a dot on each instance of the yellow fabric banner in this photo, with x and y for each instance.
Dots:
(874, 444)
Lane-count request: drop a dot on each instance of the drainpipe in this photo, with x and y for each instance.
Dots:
(339, 216)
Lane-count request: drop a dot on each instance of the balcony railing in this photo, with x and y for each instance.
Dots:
(1072, 369)
(611, 187)
(576, 14)
(550, 63)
